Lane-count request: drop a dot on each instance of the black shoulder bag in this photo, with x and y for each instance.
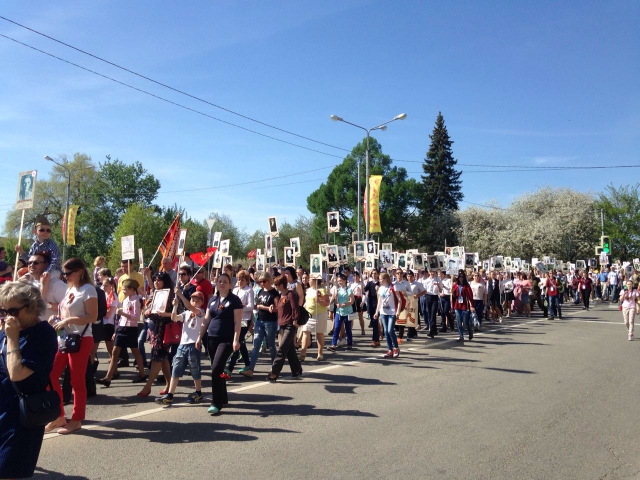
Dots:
(72, 342)
(37, 409)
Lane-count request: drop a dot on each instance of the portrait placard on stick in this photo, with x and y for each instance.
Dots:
(386, 259)
(333, 222)
(360, 251)
(315, 260)
(370, 262)
(224, 247)
(273, 227)
(418, 261)
(323, 248)
(216, 239)
(227, 260)
(343, 255)
(261, 261)
(140, 257)
(217, 259)
(182, 240)
(333, 256)
(128, 250)
(295, 244)
(453, 265)
(26, 190)
(289, 258)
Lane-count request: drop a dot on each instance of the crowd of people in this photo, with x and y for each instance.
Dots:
(57, 314)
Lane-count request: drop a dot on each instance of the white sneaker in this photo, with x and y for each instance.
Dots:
(631, 337)
(342, 342)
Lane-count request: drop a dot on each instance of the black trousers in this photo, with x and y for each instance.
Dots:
(219, 351)
(586, 295)
(286, 350)
(432, 312)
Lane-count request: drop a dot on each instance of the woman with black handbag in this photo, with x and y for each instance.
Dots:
(78, 310)
(27, 350)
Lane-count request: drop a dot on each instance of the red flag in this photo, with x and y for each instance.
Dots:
(202, 258)
(252, 254)
(170, 241)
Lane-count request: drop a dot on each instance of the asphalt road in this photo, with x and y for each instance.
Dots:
(530, 398)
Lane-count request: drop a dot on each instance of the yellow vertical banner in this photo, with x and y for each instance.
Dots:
(374, 204)
(70, 227)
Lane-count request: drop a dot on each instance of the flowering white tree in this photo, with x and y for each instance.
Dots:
(559, 222)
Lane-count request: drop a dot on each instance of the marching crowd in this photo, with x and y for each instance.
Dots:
(57, 314)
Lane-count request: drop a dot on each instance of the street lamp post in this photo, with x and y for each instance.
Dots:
(382, 127)
(66, 227)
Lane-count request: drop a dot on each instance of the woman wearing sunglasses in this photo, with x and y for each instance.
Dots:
(28, 347)
(77, 311)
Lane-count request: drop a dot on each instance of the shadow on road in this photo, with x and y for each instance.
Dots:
(43, 473)
(180, 433)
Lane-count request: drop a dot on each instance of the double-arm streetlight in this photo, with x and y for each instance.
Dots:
(382, 127)
(66, 226)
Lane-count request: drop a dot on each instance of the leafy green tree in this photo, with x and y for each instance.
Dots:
(621, 208)
(398, 197)
(440, 193)
(116, 187)
(148, 227)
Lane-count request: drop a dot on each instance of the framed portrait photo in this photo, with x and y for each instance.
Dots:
(387, 246)
(128, 250)
(216, 239)
(160, 300)
(418, 261)
(295, 244)
(273, 226)
(385, 258)
(289, 257)
(333, 222)
(333, 256)
(261, 263)
(227, 260)
(315, 269)
(217, 259)
(224, 247)
(370, 262)
(360, 253)
(182, 240)
(343, 255)
(26, 190)
(323, 249)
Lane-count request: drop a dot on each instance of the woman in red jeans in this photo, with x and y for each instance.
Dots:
(77, 311)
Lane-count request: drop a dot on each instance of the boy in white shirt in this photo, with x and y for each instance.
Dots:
(192, 318)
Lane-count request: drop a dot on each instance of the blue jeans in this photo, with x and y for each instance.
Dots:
(445, 306)
(337, 326)
(388, 325)
(261, 330)
(553, 305)
(142, 338)
(186, 354)
(463, 317)
(479, 306)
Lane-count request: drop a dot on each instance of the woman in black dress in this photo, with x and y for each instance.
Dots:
(159, 351)
(223, 321)
(28, 347)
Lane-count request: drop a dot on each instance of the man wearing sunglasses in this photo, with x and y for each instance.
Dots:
(43, 243)
(53, 289)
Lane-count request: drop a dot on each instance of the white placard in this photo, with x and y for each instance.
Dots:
(128, 250)
(26, 190)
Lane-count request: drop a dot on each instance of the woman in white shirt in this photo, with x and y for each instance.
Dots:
(246, 295)
(479, 296)
(389, 306)
(78, 310)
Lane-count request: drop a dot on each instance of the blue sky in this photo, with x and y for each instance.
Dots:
(519, 84)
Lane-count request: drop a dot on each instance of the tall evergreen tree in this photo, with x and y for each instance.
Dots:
(441, 191)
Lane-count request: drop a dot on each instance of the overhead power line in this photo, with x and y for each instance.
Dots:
(177, 90)
(169, 101)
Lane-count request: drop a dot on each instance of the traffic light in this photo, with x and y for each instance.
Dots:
(598, 250)
(606, 245)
